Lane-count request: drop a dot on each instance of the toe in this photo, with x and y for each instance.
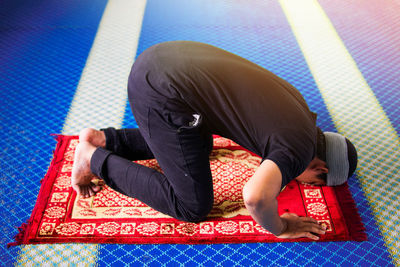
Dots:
(77, 189)
(95, 188)
(85, 193)
(91, 192)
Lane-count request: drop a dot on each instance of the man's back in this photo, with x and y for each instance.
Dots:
(235, 98)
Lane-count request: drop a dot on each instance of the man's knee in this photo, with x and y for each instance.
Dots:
(198, 212)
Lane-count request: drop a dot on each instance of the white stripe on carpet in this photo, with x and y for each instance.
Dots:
(355, 111)
(99, 101)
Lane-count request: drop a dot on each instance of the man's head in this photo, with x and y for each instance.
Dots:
(335, 162)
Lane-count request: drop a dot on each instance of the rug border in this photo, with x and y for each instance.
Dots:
(351, 214)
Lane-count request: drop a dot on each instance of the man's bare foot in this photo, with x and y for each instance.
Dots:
(93, 136)
(81, 178)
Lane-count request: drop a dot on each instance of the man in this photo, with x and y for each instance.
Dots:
(183, 92)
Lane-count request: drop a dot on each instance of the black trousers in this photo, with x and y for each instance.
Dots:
(169, 133)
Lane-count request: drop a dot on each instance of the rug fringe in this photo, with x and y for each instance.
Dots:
(19, 238)
(350, 213)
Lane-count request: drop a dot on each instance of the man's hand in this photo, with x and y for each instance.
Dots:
(297, 227)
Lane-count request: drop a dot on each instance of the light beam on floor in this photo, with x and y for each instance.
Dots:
(99, 101)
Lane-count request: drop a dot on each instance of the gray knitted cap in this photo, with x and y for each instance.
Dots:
(338, 158)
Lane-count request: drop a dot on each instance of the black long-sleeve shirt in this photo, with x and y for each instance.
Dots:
(236, 99)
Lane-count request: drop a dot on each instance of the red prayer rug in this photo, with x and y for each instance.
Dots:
(60, 216)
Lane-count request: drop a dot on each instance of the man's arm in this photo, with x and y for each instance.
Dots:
(259, 196)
